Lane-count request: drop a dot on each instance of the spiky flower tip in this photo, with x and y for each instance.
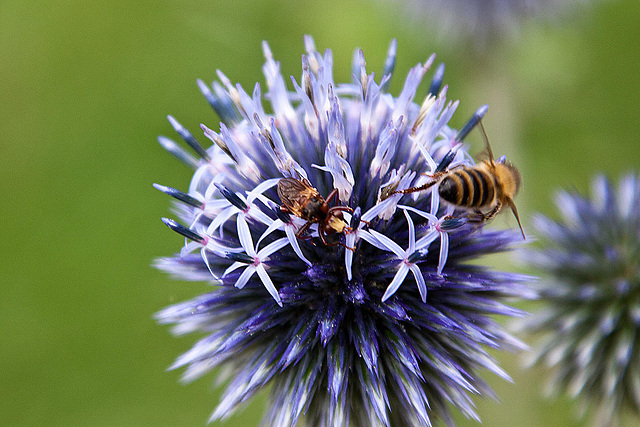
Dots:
(384, 322)
(591, 317)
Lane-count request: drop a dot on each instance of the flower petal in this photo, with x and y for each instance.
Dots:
(350, 241)
(412, 233)
(272, 247)
(444, 251)
(398, 279)
(245, 276)
(244, 235)
(422, 286)
(295, 245)
(266, 281)
(388, 244)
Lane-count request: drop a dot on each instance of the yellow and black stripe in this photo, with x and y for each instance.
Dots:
(471, 188)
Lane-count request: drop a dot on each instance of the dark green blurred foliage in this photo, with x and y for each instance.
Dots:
(85, 88)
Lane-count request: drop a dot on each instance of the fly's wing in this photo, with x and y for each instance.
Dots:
(293, 192)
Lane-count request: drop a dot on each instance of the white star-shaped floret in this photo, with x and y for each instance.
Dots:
(259, 257)
(403, 255)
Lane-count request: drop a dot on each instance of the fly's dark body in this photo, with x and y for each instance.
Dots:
(301, 199)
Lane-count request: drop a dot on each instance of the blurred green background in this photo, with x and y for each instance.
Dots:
(85, 88)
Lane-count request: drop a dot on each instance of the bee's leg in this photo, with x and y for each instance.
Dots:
(341, 244)
(475, 216)
(414, 189)
(302, 230)
(285, 209)
(347, 247)
(480, 216)
(322, 235)
(339, 208)
(333, 194)
(338, 243)
(489, 216)
(437, 175)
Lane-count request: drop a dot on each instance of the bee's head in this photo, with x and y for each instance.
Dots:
(515, 175)
(509, 176)
(335, 223)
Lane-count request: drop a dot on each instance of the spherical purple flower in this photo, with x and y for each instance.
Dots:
(387, 323)
(591, 319)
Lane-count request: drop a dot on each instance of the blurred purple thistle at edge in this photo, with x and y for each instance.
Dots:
(392, 333)
(590, 321)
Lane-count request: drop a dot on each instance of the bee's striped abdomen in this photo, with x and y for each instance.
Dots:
(468, 187)
(484, 187)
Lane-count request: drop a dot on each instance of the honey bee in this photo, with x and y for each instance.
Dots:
(488, 186)
(302, 200)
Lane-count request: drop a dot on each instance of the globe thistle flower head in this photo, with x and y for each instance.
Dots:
(383, 323)
(591, 319)
(482, 21)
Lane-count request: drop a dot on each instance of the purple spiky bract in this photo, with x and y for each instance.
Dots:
(393, 332)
